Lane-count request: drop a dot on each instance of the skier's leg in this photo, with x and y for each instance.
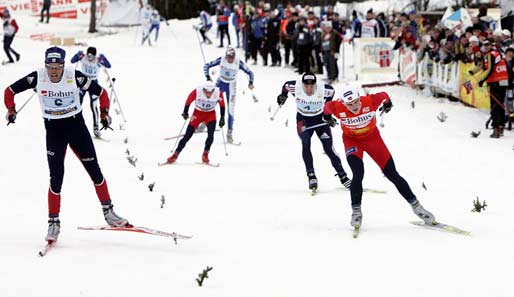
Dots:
(357, 167)
(83, 147)
(399, 182)
(305, 137)
(325, 136)
(211, 127)
(231, 101)
(56, 144)
(93, 103)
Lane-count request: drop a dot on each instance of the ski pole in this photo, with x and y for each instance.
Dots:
(23, 105)
(275, 113)
(115, 95)
(180, 133)
(224, 141)
(382, 114)
(200, 44)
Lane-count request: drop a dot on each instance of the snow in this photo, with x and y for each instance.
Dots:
(252, 219)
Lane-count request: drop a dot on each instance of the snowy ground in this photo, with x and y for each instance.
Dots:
(252, 218)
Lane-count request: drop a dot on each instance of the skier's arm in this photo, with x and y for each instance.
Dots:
(329, 92)
(77, 57)
(208, 66)
(103, 61)
(86, 84)
(222, 105)
(189, 100)
(288, 87)
(246, 70)
(483, 75)
(380, 98)
(27, 82)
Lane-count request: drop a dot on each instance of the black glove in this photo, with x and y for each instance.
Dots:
(11, 116)
(481, 83)
(281, 99)
(105, 119)
(222, 122)
(330, 120)
(386, 106)
(185, 115)
(250, 85)
(208, 77)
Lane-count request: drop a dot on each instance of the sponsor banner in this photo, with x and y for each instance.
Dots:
(478, 96)
(443, 77)
(375, 55)
(70, 9)
(407, 66)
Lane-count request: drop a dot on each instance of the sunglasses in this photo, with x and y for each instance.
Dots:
(48, 66)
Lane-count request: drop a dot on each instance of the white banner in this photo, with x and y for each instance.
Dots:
(407, 66)
(443, 77)
(375, 55)
(70, 9)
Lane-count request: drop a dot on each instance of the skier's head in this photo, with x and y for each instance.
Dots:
(230, 54)
(91, 53)
(309, 83)
(350, 97)
(208, 88)
(54, 63)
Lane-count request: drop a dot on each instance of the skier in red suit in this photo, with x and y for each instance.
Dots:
(358, 122)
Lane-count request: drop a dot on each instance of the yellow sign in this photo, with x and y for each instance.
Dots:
(478, 96)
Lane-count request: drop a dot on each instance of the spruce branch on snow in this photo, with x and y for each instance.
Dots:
(424, 186)
(478, 206)
(125, 141)
(142, 176)
(122, 127)
(202, 276)
(132, 160)
(413, 104)
(442, 117)
(475, 134)
(151, 186)
(163, 200)
(127, 152)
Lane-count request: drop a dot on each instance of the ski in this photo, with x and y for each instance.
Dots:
(163, 163)
(368, 190)
(137, 229)
(442, 227)
(356, 231)
(235, 143)
(181, 135)
(101, 138)
(49, 245)
(209, 164)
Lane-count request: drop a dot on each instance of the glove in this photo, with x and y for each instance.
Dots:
(11, 115)
(480, 83)
(468, 86)
(105, 119)
(281, 99)
(101, 57)
(250, 85)
(81, 54)
(222, 122)
(208, 77)
(510, 95)
(185, 115)
(386, 106)
(336, 56)
(330, 120)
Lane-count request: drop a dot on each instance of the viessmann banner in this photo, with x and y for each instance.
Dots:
(70, 9)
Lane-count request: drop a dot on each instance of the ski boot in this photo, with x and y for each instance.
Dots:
(422, 213)
(496, 133)
(345, 180)
(54, 228)
(112, 218)
(96, 132)
(356, 219)
(173, 158)
(229, 137)
(205, 157)
(313, 182)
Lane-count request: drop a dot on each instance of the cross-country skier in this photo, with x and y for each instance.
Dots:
(145, 16)
(358, 122)
(206, 97)
(156, 19)
(58, 91)
(10, 29)
(204, 26)
(90, 66)
(227, 82)
(310, 97)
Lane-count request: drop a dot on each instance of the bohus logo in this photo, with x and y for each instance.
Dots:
(380, 53)
(58, 94)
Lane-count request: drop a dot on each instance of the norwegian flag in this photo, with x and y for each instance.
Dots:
(384, 58)
(44, 92)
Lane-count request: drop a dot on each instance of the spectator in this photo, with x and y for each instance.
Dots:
(223, 16)
(506, 40)
(10, 30)
(46, 7)
(303, 39)
(330, 50)
(369, 27)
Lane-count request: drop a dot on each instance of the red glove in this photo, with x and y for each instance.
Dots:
(468, 86)
(11, 115)
(105, 119)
